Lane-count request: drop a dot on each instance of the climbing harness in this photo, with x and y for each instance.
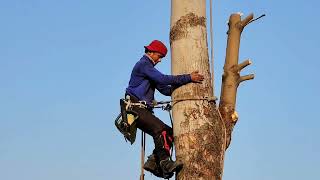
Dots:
(125, 121)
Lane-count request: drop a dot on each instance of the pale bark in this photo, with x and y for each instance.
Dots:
(198, 129)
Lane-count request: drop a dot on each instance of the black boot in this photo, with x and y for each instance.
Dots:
(163, 144)
(152, 166)
(168, 167)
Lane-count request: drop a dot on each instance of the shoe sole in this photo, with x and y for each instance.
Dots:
(152, 171)
(177, 168)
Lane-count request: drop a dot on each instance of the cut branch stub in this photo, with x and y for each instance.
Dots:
(244, 64)
(246, 77)
(246, 20)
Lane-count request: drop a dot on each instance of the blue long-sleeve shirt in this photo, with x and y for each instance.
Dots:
(145, 79)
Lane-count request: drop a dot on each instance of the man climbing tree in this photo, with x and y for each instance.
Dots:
(143, 82)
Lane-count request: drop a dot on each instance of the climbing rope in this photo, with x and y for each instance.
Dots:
(175, 101)
(143, 150)
(211, 44)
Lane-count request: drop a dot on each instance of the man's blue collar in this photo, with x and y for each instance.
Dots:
(148, 59)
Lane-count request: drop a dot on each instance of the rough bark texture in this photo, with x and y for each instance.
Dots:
(231, 77)
(199, 132)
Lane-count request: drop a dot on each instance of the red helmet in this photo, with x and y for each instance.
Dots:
(157, 46)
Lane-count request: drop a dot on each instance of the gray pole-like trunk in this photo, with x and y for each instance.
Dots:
(200, 134)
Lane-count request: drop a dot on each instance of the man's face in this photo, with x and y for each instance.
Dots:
(156, 57)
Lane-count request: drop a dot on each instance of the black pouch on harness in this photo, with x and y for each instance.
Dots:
(125, 122)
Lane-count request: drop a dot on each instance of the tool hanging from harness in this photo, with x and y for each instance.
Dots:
(125, 122)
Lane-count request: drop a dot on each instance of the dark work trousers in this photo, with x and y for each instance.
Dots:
(153, 126)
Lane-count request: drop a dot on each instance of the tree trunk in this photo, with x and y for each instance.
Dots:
(231, 77)
(199, 131)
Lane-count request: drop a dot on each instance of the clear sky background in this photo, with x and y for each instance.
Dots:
(65, 64)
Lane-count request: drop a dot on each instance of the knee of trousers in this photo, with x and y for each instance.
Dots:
(160, 130)
(164, 141)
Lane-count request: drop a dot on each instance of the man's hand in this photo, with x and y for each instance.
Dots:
(196, 77)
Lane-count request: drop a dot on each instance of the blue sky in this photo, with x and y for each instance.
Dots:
(65, 64)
